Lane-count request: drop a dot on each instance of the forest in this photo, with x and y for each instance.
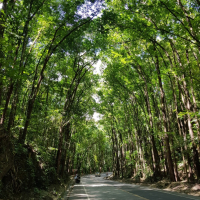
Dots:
(146, 93)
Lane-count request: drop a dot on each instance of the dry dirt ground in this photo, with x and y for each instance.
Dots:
(181, 186)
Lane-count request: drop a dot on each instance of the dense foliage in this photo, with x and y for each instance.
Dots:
(46, 89)
(150, 97)
(148, 91)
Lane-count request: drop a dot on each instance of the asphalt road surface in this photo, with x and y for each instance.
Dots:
(96, 188)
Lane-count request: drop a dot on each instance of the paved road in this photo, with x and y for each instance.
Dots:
(96, 188)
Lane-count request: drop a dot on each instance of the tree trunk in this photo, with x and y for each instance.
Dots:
(61, 153)
(166, 137)
(10, 89)
(116, 153)
(12, 113)
(154, 149)
(179, 128)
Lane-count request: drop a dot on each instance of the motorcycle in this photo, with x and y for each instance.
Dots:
(77, 179)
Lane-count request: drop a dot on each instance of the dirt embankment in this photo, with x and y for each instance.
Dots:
(22, 175)
(53, 192)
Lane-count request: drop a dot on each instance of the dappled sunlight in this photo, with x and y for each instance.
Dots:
(98, 188)
(103, 185)
(92, 185)
(80, 195)
(145, 188)
(109, 87)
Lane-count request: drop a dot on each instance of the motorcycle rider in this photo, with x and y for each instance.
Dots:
(77, 178)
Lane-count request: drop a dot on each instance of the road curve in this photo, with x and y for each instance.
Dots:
(96, 188)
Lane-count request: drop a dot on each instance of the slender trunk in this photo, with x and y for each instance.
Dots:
(7, 102)
(59, 152)
(184, 129)
(193, 99)
(35, 90)
(12, 112)
(66, 147)
(187, 103)
(154, 149)
(142, 158)
(113, 153)
(163, 157)
(121, 152)
(116, 152)
(32, 98)
(22, 136)
(62, 162)
(179, 126)
(166, 138)
(183, 124)
(64, 134)
(24, 42)
(175, 163)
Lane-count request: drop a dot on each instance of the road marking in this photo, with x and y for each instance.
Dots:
(86, 192)
(135, 195)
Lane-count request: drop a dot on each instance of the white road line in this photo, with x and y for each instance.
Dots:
(86, 192)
